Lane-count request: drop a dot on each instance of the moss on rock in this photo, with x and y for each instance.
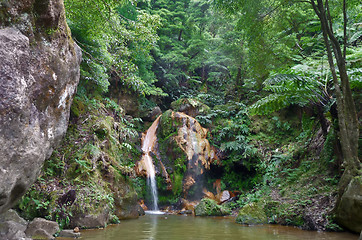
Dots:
(209, 207)
(190, 106)
(251, 214)
(349, 210)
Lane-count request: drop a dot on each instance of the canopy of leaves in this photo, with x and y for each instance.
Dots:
(114, 45)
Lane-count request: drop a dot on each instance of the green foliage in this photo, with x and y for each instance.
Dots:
(177, 183)
(114, 45)
(193, 55)
(230, 132)
(290, 89)
(231, 135)
(95, 160)
(35, 203)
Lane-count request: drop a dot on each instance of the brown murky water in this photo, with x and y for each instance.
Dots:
(171, 227)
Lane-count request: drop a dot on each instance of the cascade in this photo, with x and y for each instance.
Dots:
(147, 146)
(192, 139)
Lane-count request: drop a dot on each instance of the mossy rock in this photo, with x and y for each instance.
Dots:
(349, 210)
(190, 106)
(103, 127)
(78, 107)
(167, 125)
(252, 214)
(209, 207)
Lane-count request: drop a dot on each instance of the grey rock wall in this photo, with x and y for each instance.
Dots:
(39, 73)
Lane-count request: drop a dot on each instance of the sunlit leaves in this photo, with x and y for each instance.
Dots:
(114, 44)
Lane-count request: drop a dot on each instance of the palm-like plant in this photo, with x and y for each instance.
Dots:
(292, 89)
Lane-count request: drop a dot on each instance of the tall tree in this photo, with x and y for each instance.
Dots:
(347, 115)
(267, 13)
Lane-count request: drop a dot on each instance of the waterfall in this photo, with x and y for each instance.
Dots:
(147, 146)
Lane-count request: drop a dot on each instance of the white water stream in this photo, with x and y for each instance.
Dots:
(147, 146)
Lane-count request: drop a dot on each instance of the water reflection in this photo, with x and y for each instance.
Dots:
(151, 229)
(170, 227)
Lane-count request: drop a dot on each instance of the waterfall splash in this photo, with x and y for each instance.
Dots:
(147, 146)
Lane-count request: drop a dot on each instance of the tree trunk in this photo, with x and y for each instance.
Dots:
(323, 120)
(347, 116)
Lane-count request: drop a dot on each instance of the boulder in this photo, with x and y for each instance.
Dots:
(12, 227)
(209, 207)
(349, 209)
(39, 72)
(90, 220)
(190, 106)
(127, 206)
(225, 196)
(128, 101)
(11, 230)
(12, 215)
(140, 211)
(153, 114)
(69, 233)
(41, 228)
(252, 214)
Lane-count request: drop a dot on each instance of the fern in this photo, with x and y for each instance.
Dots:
(357, 35)
(269, 104)
(288, 89)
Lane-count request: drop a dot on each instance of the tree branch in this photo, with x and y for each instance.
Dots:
(345, 20)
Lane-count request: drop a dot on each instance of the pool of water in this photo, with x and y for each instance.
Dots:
(173, 227)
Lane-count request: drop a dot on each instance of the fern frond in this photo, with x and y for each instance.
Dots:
(269, 104)
(357, 35)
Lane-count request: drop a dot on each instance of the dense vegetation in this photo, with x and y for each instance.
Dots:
(281, 79)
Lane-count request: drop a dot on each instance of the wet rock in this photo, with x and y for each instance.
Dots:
(142, 204)
(153, 114)
(251, 214)
(39, 72)
(360, 236)
(90, 220)
(208, 194)
(41, 228)
(187, 212)
(69, 233)
(185, 150)
(127, 206)
(141, 211)
(225, 196)
(181, 154)
(349, 210)
(209, 207)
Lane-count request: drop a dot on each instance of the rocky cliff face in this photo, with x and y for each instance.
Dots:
(39, 72)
